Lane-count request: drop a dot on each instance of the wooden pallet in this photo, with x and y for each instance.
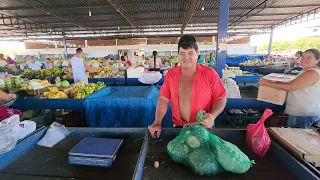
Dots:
(303, 142)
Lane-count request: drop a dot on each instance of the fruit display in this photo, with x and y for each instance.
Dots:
(254, 63)
(96, 70)
(74, 89)
(64, 84)
(35, 84)
(81, 90)
(105, 72)
(175, 60)
(43, 73)
(10, 82)
(10, 69)
(54, 93)
(100, 85)
(85, 91)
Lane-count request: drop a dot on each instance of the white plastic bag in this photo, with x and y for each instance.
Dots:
(6, 125)
(7, 142)
(231, 87)
(55, 134)
(24, 128)
(8, 139)
(150, 77)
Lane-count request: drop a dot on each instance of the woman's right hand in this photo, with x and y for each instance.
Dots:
(5, 96)
(263, 82)
(155, 130)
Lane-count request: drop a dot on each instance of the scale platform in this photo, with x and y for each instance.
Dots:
(95, 152)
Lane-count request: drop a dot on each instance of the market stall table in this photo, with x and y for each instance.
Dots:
(37, 103)
(252, 78)
(277, 164)
(25, 101)
(250, 68)
(236, 59)
(135, 159)
(135, 106)
(30, 160)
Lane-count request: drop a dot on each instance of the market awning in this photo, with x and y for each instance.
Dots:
(23, 19)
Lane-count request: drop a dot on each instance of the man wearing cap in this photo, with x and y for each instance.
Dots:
(190, 87)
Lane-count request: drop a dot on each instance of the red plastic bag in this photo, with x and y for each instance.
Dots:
(8, 112)
(257, 137)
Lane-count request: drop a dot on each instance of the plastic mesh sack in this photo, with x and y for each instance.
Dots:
(205, 153)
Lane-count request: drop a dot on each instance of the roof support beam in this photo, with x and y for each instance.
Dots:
(55, 12)
(147, 4)
(140, 13)
(124, 14)
(94, 6)
(222, 35)
(263, 5)
(15, 22)
(298, 18)
(191, 9)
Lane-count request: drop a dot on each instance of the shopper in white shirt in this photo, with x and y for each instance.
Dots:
(303, 100)
(79, 67)
(34, 65)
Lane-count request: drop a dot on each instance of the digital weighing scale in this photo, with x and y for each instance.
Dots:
(95, 152)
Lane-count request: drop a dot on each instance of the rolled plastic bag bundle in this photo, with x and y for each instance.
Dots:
(54, 134)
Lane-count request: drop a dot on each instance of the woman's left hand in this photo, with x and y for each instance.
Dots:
(263, 82)
(208, 121)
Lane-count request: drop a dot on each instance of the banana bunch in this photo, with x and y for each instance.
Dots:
(24, 86)
(45, 73)
(54, 93)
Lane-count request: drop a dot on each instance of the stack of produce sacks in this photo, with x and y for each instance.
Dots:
(205, 153)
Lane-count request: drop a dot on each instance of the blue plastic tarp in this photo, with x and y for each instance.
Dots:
(37, 103)
(245, 79)
(136, 82)
(243, 58)
(250, 68)
(116, 81)
(128, 106)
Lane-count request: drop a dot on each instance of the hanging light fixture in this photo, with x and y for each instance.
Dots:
(89, 9)
(202, 8)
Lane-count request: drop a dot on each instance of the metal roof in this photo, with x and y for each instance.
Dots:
(141, 18)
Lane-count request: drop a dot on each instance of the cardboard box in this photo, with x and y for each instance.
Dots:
(271, 95)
